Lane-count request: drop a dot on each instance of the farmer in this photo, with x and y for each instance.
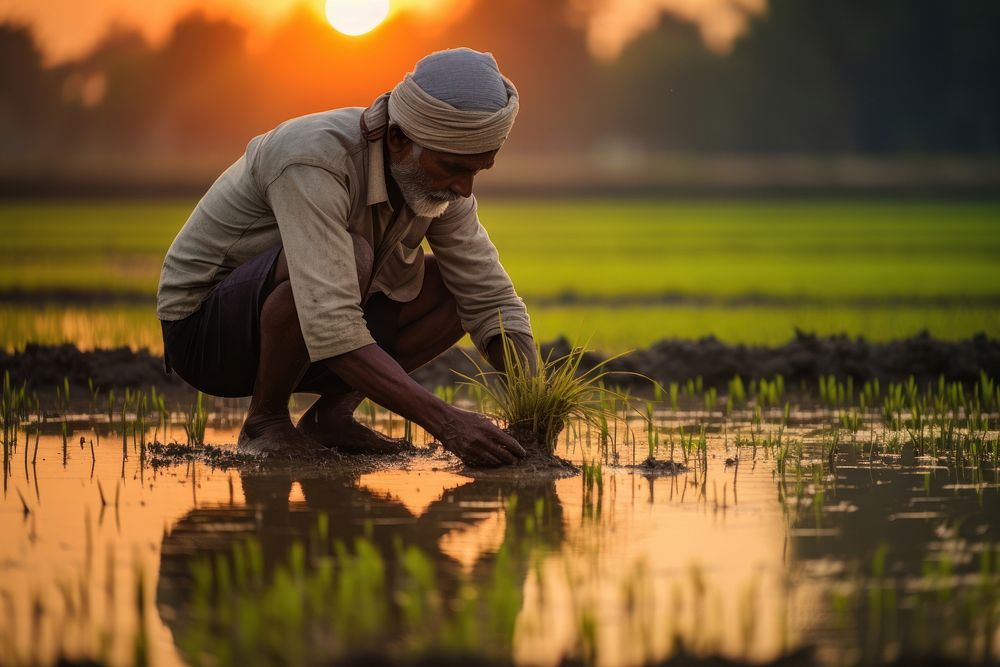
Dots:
(301, 269)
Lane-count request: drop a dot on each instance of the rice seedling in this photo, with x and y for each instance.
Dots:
(159, 404)
(652, 432)
(592, 478)
(737, 391)
(111, 406)
(197, 420)
(536, 400)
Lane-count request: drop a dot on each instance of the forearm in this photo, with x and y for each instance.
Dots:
(524, 347)
(373, 372)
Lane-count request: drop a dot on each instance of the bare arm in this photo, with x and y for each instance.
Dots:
(471, 436)
(524, 346)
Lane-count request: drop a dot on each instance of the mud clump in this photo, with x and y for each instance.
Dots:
(44, 367)
(652, 466)
(540, 457)
(805, 358)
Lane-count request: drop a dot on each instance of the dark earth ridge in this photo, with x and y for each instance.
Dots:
(805, 358)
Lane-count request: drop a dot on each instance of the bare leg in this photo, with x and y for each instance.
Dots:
(429, 325)
(283, 359)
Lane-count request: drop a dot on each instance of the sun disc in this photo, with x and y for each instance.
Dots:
(356, 17)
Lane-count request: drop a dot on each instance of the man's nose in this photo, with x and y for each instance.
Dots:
(462, 186)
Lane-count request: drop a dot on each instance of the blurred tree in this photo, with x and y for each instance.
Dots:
(873, 77)
(201, 79)
(25, 96)
(106, 96)
(544, 52)
(665, 91)
(808, 76)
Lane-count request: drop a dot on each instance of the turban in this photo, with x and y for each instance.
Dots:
(454, 101)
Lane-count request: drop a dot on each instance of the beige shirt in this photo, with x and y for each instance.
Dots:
(308, 184)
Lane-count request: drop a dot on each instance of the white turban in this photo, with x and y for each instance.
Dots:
(471, 110)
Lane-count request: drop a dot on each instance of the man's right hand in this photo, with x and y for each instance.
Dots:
(477, 440)
(469, 435)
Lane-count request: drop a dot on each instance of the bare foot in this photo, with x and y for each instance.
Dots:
(330, 422)
(348, 435)
(274, 435)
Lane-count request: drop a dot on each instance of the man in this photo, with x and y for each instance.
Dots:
(301, 269)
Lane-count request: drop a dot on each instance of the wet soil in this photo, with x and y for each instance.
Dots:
(226, 458)
(537, 466)
(656, 467)
(803, 359)
(540, 458)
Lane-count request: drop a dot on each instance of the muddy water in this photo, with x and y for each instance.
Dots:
(865, 559)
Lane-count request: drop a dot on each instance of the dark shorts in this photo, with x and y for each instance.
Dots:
(216, 349)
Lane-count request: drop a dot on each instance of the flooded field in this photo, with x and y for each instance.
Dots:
(746, 271)
(824, 524)
(840, 526)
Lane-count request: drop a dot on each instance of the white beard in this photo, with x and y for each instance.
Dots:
(415, 186)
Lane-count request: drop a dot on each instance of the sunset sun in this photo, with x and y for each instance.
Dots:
(356, 17)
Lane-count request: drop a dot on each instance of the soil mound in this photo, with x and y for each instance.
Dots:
(803, 359)
(46, 365)
(539, 457)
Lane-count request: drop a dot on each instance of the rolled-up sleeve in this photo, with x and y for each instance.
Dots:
(311, 206)
(471, 269)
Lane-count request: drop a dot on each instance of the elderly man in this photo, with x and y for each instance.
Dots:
(301, 269)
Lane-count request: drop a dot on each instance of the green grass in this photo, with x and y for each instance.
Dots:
(827, 256)
(605, 329)
(619, 329)
(825, 249)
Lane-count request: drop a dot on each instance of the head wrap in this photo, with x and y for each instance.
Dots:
(454, 101)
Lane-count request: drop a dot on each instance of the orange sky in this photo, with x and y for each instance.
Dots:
(67, 28)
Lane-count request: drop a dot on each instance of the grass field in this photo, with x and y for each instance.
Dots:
(882, 269)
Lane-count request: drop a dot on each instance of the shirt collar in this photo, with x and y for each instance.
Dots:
(377, 189)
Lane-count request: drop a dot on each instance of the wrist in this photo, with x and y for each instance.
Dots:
(438, 415)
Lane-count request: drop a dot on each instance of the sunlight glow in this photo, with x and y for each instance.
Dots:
(356, 17)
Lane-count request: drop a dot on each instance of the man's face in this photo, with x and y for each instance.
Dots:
(430, 180)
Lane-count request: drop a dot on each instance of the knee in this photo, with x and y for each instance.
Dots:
(279, 307)
(364, 258)
(280, 273)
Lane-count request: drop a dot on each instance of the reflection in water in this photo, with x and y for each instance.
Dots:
(900, 539)
(745, 559)
(385, 516)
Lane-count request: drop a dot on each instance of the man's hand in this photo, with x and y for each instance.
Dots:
(477, 441)
(469, 435)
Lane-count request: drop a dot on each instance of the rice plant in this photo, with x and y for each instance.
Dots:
(196, 422)
(537, 400)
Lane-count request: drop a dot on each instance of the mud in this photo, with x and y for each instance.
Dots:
(539, 464)
(45, 366)
(540, 458)
(803, 359)
(224, 458)
(654, 467)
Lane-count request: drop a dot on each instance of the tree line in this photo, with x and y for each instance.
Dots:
(808, 77)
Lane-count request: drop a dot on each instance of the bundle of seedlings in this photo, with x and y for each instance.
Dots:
(537, 399)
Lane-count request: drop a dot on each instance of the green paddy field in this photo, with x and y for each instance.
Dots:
(619, 274)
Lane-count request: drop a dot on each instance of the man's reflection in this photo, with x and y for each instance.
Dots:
(531, 514)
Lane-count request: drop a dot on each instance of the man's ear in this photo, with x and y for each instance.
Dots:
(396, 139)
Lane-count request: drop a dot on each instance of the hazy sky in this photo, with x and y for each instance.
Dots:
(67, 28)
